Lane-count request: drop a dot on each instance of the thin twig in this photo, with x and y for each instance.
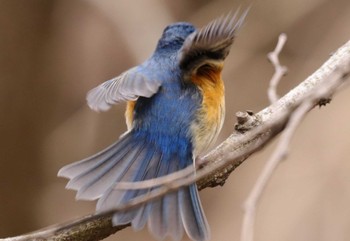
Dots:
(280, 70)
(155, 182)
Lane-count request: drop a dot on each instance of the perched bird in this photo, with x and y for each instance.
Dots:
(175, 110)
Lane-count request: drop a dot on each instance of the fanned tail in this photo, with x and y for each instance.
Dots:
(136, 158)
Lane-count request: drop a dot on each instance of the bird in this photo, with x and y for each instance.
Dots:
(175, 108)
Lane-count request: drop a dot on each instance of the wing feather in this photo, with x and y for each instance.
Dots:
(128, 86)
(210, 43)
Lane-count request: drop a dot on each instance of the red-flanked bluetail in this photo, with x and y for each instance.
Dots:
(175, 110)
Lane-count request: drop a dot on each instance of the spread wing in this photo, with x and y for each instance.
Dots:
(138, 81)
(211, 43)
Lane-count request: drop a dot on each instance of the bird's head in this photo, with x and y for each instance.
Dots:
(174, 36)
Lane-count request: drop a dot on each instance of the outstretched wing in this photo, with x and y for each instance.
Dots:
(210, 44)
(138, 81)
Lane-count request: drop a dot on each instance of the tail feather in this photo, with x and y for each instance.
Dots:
(157, 221)
(171, 209)
(152, 166)
(79, 168)
(91, 181)
(134, 158)
(143, 160)
(193, 218)
(165, 218)
(140, 220)
(97, 182)
(142, 216)
(156, 224)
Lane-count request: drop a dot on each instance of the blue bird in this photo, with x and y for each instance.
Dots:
(175, 110)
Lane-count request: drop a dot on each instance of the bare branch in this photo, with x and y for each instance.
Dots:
(222, 160)
(280, 70)
(281, 152)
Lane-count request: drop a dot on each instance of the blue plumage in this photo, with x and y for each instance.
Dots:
(175, 109)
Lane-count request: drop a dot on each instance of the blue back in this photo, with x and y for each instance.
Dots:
(166, 117)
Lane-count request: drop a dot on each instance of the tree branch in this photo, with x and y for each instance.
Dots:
(279, 69)
(316, 97)
(252, 133)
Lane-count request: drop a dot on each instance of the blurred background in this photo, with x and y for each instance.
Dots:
(53, 52)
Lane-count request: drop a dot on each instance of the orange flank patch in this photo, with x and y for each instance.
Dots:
(129, 113)
(208, 79)
(211, 115)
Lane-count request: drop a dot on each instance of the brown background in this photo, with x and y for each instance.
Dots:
(53, 52)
